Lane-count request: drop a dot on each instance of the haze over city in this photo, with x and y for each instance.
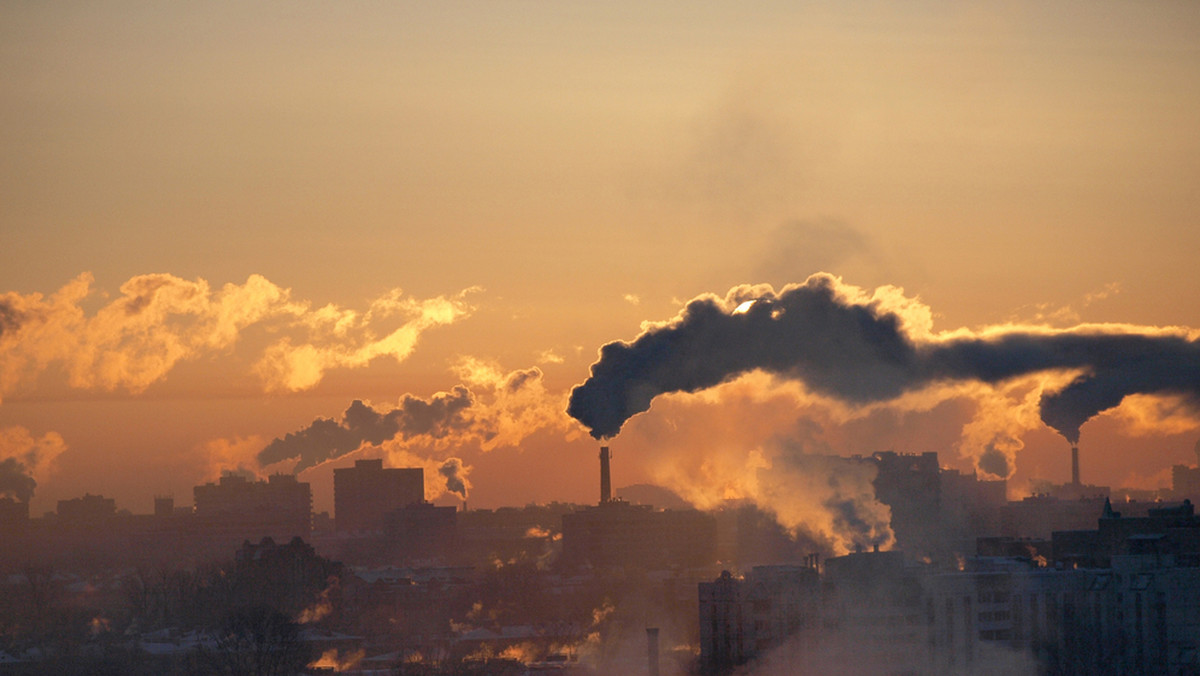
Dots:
(221, 224)
(883, 306)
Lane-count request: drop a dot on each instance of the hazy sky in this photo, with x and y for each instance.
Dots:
(340, 201)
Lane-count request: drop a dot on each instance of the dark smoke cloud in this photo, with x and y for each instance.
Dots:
(10, 317)
(860, 352)
(15, 481)
(456, 477)
(994, 461)
(325, 439)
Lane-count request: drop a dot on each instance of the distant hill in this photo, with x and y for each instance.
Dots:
(649, 494)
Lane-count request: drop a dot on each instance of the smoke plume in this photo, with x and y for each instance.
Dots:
(455, 473)
(15, 482)
(494, 408)
(23, 457)
(862, 349)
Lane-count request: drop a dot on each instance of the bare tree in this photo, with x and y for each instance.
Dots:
(256, 641)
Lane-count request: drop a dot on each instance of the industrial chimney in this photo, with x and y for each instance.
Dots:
(652, 651)
(1074, 465)
(605, 479)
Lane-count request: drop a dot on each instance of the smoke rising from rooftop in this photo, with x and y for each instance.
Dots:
(861, 349)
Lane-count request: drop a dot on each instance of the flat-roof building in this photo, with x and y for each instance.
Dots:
(365, 494)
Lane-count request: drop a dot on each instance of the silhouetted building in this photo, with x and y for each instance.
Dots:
(936, 513)
(421, 530)
(748, 536)
(14, 514)
(364, 494)
(972, 503)
(164, 507)
(1185, 481)
(237, 509)
(741, 619)
(89, 510)
(872, 616)
(1120, 599)
(381, 517)
(1165, 531)
(617, 534)
(1036, 551)
(14, 528)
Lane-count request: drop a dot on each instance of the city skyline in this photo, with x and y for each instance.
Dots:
(223, 224)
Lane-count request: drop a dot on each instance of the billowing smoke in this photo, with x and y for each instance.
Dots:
(15, 481)
(325, 439)
(758, 440)
(863, 349)
(830, 497)
(456, 476)
(10, 318)
(23, 457)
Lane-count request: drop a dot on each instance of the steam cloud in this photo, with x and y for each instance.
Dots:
(863, 349)
(160, 320)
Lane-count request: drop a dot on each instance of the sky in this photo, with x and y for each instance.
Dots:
(221, 223)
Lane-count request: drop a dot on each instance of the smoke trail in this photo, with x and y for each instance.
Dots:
(859, 349)
(325, 439)
(498, 408)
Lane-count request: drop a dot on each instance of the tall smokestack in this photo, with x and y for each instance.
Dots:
(1074, 465)
(652, 651)
(605, 478)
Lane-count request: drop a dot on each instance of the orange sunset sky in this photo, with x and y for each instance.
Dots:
(220, 222)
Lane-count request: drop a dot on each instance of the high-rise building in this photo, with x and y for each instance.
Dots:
(363, 495)
(237, 509)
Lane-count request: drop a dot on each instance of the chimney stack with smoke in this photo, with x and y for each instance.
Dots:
(605, 479)
(652, 651)
(1074, 464)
